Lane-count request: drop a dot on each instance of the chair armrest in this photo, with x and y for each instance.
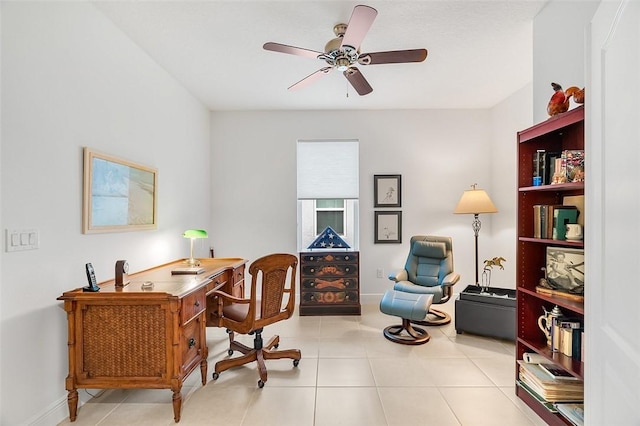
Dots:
(450, 279)
(447, 284)
(400, 275)
(229, 298)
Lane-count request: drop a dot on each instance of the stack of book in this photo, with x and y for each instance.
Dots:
(544, 164)
(550, 221)
(550, 383)
(558, 167)
(566, 336)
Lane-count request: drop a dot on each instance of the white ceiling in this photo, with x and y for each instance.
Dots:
(479, 52)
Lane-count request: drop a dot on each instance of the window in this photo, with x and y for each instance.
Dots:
(330, 213)
(328, 190)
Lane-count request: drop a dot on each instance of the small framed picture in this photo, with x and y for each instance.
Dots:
(388, 227)
(387, 191)
(565, 269)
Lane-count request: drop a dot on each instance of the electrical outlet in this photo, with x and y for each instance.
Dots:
(379, 272)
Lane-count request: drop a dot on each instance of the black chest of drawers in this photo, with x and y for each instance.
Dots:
(329, 283)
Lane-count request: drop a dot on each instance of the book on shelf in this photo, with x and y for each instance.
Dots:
(551, 406)
(550, 167)
(548, 388)
(532, 357)
(572, 411)
(556, 372)
(538, 167)
(537, 221)
(550, 220)
(187, 270)
(544, 164)
(562, 334)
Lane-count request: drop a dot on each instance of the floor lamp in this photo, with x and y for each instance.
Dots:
(475, 201)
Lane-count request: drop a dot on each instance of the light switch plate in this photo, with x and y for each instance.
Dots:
(21, 239)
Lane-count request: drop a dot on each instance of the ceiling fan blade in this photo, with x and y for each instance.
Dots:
(310, 78)
(393, 57)
(291, 50)
(361, 19)
(357, 80)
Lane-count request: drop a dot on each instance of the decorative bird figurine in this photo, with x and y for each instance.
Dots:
(577, 93)
(559, 101)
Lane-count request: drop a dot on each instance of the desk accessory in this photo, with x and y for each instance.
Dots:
(189, 270)
(193, 234)
(122, 273)
(91, 277)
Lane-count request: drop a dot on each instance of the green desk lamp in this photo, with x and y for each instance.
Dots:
(192, 234)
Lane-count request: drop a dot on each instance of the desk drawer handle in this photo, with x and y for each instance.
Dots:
(192, 342)
(197, 303)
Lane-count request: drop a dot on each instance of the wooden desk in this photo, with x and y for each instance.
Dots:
(132, 337)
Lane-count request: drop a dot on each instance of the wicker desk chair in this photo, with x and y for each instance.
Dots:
(275, 276)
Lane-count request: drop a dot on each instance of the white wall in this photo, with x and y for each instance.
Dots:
(439, 154)
(507, 118)
(559, 32)
(70, 79)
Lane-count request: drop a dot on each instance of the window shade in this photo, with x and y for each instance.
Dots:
(328, 169)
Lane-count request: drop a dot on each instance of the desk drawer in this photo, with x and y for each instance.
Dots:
(238, 275)
(191, 345)
(218, 282)
(192, 305)
(237, 289)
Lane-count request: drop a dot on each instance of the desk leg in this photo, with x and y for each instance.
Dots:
(203, 369)
(204, 350)
(177, 405)
(72, 402)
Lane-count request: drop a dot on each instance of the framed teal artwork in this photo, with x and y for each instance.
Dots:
(119, 195)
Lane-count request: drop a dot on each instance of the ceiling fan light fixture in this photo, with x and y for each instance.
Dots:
(342, 63)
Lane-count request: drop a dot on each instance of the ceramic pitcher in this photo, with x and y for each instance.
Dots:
(545, 321)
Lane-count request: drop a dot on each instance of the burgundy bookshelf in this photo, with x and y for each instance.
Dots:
(558, 133)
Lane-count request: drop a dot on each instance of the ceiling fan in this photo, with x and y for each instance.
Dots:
(343, 52)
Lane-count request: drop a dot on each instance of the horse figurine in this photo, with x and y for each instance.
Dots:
(496, 261)
(486, 272)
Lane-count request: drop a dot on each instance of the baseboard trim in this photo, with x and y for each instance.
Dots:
(58, 411)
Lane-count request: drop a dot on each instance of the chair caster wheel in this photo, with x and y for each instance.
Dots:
(215, 376)
(260, 384)
(230, 352)
(296, 362)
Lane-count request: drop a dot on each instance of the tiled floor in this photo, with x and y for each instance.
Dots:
(349, 375)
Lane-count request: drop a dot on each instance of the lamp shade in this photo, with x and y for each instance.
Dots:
(475, 201)
(195, 233)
